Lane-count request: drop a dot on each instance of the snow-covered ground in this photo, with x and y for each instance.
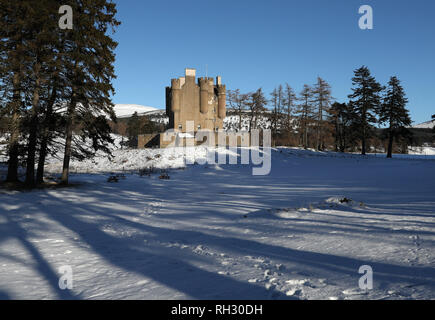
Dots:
(427, 151)
(217, 232)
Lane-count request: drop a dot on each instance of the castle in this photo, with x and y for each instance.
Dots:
(203, 102)
(191, 106)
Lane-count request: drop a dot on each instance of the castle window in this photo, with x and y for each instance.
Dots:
(180, 127)
(199, 127)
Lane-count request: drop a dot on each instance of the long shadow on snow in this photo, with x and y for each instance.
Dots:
(41, 265)
(99, 241)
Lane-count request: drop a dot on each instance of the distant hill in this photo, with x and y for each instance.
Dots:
(425, 125)
(127, 110)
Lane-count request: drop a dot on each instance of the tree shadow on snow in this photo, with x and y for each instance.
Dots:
(174, 268)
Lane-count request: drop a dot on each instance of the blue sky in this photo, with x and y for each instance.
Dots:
(264, 43)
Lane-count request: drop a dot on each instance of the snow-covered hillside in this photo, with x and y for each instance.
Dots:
(127, 110)
(425, 125)
(217, 232)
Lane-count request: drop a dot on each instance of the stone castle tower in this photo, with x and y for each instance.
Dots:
(203, 102)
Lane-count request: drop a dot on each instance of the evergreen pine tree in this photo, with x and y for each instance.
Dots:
(366, 101)
(341, 117)
(133, 130)
(89, 59)
(15, 32)
(393, 112)
(43, 46)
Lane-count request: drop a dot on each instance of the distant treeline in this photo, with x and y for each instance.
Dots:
(136, 125)
(312, 119)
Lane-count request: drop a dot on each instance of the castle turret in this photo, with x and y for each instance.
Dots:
(204, 94)
(221, 100)
(176, 93)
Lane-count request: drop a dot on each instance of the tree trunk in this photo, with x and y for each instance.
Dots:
(337, 135)
(31, 148)
(390, 144)
(343, 139)
(363, 147)
(240, 119)
(45, 137)
(318, 131)
(363, 142)
(12, 175)
(68, 141)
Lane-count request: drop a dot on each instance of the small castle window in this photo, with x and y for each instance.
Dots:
(199, 127)
(180, 127)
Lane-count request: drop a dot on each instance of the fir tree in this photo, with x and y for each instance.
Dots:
(133, 130)
(89, 60)
(366, 101)
(341, 118)
(43, 67)
(43, 46)
(393, 112)
(15, 31)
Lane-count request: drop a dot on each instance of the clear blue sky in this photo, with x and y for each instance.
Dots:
(264, 43)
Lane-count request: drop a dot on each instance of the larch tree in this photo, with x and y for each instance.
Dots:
(257, 105)
(322, 100)
(289, 108)
(277, 99)
(305, 113)
(237, 101)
